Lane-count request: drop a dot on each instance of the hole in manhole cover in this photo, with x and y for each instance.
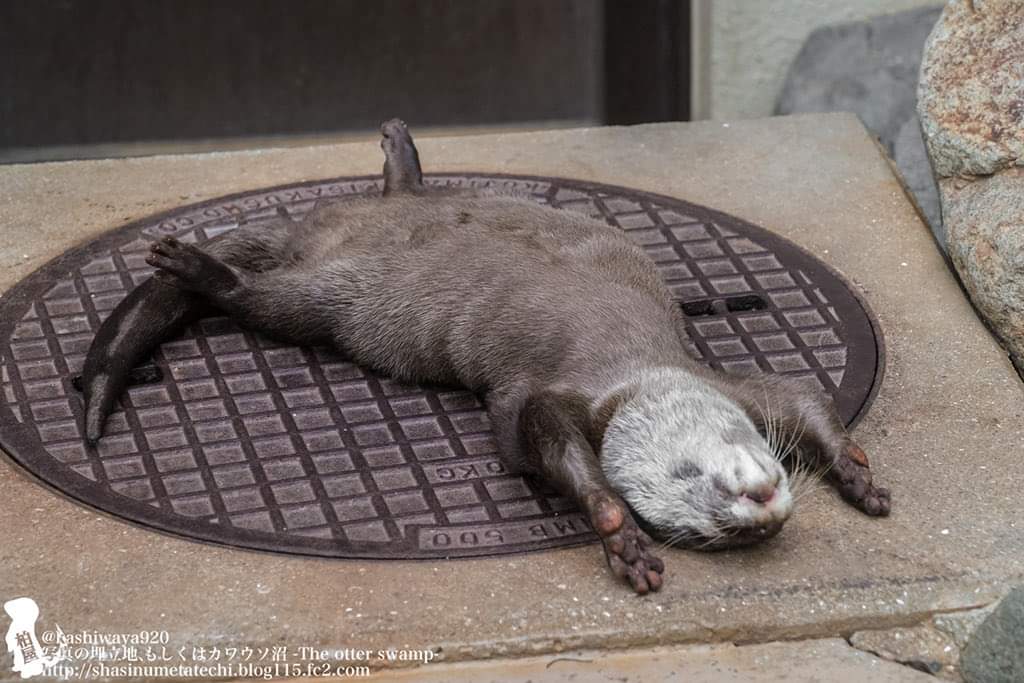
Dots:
(232, 438)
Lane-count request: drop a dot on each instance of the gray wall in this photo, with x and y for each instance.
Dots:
(752, 45)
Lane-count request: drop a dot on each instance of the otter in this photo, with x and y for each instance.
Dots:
(559, 321)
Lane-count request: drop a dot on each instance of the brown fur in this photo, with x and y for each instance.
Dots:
(548, 314)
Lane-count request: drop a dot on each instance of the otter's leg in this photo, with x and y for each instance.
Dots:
(806, 420)
(154, 310)
(260, 247)
(552, 434)
(283, 303)
(402, 171)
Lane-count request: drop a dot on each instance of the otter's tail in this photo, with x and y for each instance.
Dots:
(151, 312)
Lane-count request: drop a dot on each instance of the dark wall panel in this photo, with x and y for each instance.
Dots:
(88, 71)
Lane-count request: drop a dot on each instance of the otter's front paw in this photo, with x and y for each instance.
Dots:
(852, 476)
(188, 267)
(626, 546)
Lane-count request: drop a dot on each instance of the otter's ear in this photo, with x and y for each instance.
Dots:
(604, 414)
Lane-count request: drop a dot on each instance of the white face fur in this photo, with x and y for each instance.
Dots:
(691, 463)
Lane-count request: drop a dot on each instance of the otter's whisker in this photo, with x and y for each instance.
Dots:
(711, 540)
(673, 539)
(771, 427)
(809, 488)
(794, 437)
(764, 422)
(801, 475)
(806, 478)
(777, 446)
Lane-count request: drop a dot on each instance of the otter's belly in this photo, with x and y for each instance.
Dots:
(488, 319)
(509, 294)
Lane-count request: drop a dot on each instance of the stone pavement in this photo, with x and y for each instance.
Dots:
(815, 661)
(944, 432)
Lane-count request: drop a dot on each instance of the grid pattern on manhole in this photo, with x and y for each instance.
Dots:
(250, 442)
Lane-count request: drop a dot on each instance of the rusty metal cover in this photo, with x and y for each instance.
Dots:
(235, 439)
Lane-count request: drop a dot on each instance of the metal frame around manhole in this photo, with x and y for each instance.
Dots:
(693, 245)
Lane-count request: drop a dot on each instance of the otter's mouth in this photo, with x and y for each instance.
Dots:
(741, 536)
(727, 537)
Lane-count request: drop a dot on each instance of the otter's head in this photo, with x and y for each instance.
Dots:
(691, 464)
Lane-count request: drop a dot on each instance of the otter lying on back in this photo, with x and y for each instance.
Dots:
(558, 320)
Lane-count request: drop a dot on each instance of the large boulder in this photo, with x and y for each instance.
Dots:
(995, 651)
(971, 107)
(971, 94)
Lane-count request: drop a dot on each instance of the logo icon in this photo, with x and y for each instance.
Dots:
(30, 659)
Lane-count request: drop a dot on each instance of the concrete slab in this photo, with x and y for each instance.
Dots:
(944, 433)
(811, 661)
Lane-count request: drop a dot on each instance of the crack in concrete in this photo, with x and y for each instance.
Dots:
(926, 663)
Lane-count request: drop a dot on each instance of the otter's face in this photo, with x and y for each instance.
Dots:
(692, 465)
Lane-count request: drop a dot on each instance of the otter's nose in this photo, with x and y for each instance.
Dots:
(760, 494)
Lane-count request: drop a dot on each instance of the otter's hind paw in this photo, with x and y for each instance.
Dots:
(851, 474)
(188, 267)
(626, 547)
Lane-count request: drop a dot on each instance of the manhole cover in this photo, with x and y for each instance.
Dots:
(248, 442)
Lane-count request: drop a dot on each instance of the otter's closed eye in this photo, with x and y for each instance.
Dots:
(688, 470)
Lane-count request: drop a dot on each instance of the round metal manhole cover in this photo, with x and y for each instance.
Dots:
(244, 441)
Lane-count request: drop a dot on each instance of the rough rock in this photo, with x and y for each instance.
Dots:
(921, 647)
(995, 653)
(985, 232)
(971, 93)
(971, 106)
(961, 625)
(871, 68)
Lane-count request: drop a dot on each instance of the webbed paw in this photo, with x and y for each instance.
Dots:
(188, 267)
(626, 546)
(851, 474)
